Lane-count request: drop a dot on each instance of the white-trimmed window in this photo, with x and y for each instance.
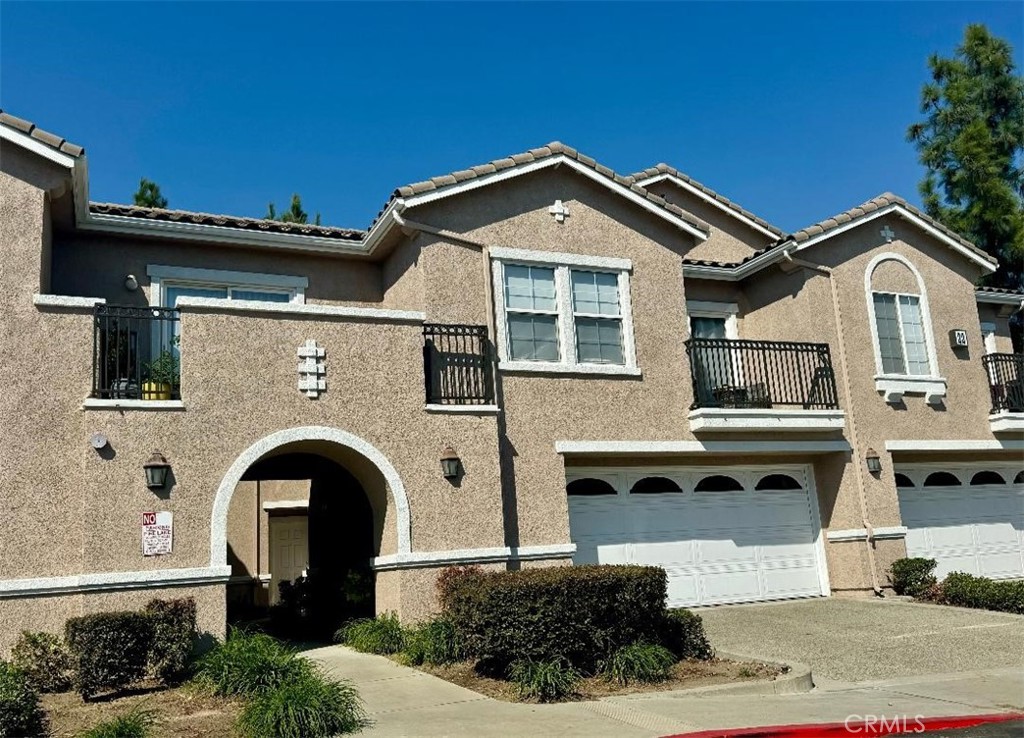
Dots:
(168, 283)
(563, 312)
(902, 344)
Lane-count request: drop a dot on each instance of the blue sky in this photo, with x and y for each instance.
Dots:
(795, 110)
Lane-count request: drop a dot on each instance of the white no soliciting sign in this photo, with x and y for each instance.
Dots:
(157, 533)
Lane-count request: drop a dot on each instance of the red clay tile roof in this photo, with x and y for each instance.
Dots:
(663, 168)
(227, 221)
(52, 140)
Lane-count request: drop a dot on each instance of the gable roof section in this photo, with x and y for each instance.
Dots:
(663, 171)
(553, 154)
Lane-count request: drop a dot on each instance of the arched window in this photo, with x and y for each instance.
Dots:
(718, 483)
(941, 479)
(902, 480)
(1019, 479)
(654, 486)
(777, 481)
(589, 487)
(987, 477)
(900, 323)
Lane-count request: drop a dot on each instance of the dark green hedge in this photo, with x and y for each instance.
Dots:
(966, 590)
(581, 614)
(21, 713)
(174, 633)
(912, 577)
(110, 650)
(683, 634)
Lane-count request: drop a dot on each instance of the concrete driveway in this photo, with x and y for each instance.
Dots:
(855, 640)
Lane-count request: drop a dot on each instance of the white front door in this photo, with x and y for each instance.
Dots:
(289, 550)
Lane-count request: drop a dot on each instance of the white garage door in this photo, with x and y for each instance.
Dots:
(722, 535)
(967, 518)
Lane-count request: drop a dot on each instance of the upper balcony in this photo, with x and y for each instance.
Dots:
(1006, 386)
(458, 368)
(741, 385)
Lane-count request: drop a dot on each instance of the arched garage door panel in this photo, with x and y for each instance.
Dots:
(718, 544)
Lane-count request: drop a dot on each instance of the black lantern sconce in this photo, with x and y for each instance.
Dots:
(873, 460)
(450, 463)
(156, 471)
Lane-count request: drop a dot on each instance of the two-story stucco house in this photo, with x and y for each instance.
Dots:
(535, 361)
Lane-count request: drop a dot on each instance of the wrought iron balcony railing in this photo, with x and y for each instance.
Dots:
(1005, 381)
(761, 374)
(458, 365)
(135, 353)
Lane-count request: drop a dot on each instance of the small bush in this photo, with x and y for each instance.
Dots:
(434, 642)
(912, 577)
(248, 665)
(452, 579)
(640, 662)
(21, 714)
(174, 632)
(966, 590)
(309, 706)
(382, 635)
(578, 613)
(45, 661)
(544, 681)
(110, 650)
(682, 633)
(137, 723)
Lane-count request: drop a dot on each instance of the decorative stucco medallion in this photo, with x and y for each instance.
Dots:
(312, 369)
(559, 210)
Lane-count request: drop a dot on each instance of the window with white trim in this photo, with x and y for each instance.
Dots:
(902, 343)
(561, 312)
(168, 283)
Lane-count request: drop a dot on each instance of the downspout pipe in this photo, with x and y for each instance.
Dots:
(838, 314)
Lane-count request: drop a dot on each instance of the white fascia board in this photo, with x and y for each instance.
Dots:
(554, 161)
(722, 274)
(641, 448)
(769, 420)
(217, 304)
(558, 258)
(150, 579)
(36, 146)
(710, 200)
(955, 445)
(998, 298)
(67, 302)
(222, 276)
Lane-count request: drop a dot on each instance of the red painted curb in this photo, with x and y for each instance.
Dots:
(879, 726)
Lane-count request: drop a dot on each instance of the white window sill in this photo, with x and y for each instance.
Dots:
(894, 386)
(1006, 422)
(464, 409)
(93, 403)
(713, 419)
(551, 367)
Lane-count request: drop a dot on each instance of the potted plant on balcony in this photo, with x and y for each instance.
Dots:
(162, 374)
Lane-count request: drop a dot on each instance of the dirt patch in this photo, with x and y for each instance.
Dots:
(685, 675)
(181, 713)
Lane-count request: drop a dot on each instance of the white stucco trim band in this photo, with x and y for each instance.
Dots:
(97, 403)
(1007, 422)
(956, 445)
(155, 578)
(640, 448)
(286, 505)
(66, 302)
(217, 304)
(766, 419)
(421, 559)
(863, 534)
(552, 367)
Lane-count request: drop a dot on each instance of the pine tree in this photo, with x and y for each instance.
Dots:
(971, 143)
(294, 213)
(149, 196)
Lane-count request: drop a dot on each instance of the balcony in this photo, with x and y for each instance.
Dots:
(1006, 387)
(458, 368)
(755, 386)
(135, 356)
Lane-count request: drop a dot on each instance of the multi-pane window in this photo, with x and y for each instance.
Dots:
(566, 316)
(902, 343)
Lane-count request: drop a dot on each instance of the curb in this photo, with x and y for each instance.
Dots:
(861, 727)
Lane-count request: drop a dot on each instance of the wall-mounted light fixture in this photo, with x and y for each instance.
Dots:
(873, 460)
(156, 470)
(450, 463)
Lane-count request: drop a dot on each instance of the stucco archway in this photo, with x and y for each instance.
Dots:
(262, 447)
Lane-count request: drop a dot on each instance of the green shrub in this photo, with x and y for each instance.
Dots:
(381, 635)
(247, 665)
(45, 661)
(966, 590)
(578, 613)
(639, 662)
(174, 632)
(912, 577)
(544, 681)
(308, 706)
(136, 723)
(435, 642)
(20, 711)
(682, 633)
(109, 649)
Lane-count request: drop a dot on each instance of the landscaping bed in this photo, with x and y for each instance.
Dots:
(683, 675)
